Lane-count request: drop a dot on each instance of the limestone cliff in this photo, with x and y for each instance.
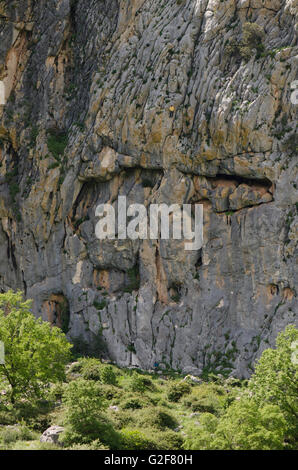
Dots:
(88, 87)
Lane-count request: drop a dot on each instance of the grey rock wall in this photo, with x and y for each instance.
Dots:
(89, 86)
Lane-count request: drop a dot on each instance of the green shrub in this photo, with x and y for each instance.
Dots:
(7, 416)
(14, 189)
(44, 446)
(123, 418)
(206, 405)
(133, 439)
(102, 432)
(252, 37)
(111, 392)
(56, 392)
(57, 142)
(53, 165)
(168, 440)
(9, 435)
(94, 445)
(140, 383)
(133, 280)
(205, 399)
(156, 417)
(91, 369)
(75, 367)
(244, 426)
(35, 413)
(108, 375)
(147, 183)
(100, 305)
(132, 404)
(84, 404)
(85, 420)
(16, 433)
(266, 417)
(177, 390)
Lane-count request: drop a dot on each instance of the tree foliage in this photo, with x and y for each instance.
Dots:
(265, 416)
(35, 352)
(244, 426)
(276, 378)
(85, 421)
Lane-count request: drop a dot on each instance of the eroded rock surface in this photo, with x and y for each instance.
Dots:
(89, 87)
(51, 435)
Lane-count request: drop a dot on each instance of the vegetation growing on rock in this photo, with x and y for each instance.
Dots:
(101, 406)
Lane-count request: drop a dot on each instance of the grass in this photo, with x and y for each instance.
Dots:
(145, 410)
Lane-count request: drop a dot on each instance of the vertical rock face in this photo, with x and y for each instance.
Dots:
(177, 101)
